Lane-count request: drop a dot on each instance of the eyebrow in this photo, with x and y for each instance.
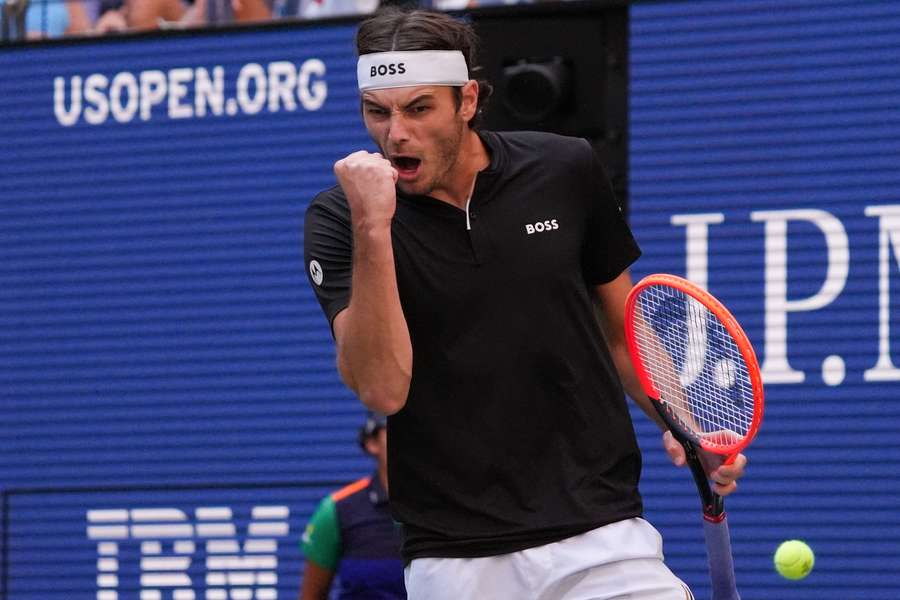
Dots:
(415, 100)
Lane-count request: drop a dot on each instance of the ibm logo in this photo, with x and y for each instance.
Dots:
(168, 541)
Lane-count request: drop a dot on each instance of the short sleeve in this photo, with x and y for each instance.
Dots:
(328, 252)
(321, 541)
(610, 246)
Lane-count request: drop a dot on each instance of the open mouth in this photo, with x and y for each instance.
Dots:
(407, 167)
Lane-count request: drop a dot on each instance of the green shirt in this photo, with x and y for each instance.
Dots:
(322, 537)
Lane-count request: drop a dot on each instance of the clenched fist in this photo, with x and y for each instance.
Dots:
(368, 182)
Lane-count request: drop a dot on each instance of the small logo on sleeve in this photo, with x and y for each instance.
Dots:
(316, 272)
(541, 226)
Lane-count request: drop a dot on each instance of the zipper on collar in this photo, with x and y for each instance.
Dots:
(469, 201)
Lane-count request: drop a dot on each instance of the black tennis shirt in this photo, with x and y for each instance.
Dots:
(515, 432)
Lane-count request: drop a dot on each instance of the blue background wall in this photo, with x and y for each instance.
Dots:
(157, 329)
(742, 107)
(160, 347)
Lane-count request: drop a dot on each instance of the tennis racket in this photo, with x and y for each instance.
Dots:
(698, 368)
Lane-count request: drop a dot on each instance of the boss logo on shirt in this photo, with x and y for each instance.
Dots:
(388, 69)
(541, 226)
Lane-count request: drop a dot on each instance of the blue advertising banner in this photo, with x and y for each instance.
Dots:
(157, 330)
(230, 542)
(764, 150)
(171, 408)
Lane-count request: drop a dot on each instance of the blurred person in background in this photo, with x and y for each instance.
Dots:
(466, 4)
(210, 12)
(50, 18)
(145, 15)
(351, 539)
(44, 19)
(320, 9)
(142, 15)
(111, 17)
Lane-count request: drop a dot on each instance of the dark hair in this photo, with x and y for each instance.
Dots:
(393, 28)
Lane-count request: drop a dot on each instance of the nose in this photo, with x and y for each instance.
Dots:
(398, 132)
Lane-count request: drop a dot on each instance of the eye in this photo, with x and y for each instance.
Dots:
(376, 111)
(420, 109)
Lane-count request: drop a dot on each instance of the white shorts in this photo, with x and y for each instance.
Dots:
(618, 561)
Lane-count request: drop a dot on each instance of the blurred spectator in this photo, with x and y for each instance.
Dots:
(319, 9)
(210, 12)
(54, 18)
(48, 18)
(466, 4)
(111, 17)
(148, 14)
(352, 538)
(144, 15)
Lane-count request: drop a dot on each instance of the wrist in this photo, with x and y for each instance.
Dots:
(372, 227)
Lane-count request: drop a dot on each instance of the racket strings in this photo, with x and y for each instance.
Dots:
(718, 423)
(695, 365)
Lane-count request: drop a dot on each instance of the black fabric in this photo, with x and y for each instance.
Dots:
(516, 432)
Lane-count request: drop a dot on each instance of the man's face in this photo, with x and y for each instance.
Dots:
(419, 129)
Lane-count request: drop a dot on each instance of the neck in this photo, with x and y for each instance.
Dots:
(473, 157)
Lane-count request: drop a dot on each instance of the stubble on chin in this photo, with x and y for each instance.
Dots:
(445, 160)
(448, 154)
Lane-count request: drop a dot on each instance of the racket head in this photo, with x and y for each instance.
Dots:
(693, 358)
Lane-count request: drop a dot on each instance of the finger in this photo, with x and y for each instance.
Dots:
(725, 490)
(355, 157)
(726, 473)
(674, 449)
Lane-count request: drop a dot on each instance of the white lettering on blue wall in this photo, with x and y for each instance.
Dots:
(189, 93)
(776, 368)
(169, 540)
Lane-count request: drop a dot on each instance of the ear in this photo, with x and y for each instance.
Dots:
(371, 445)
(469, 104)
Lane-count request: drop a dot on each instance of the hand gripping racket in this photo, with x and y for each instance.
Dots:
(699, 369)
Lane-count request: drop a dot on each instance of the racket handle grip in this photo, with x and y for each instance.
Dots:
(721, 562)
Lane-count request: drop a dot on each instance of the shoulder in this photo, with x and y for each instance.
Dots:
(350, 490)
(326, 514)
(543, 143)
(328, 218)
(548, 149)
(332, 201)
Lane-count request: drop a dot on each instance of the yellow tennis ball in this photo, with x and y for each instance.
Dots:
(794, 559)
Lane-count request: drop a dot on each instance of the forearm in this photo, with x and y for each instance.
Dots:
(374, 348)
(631, 383)
(316, 582)
(611, 316)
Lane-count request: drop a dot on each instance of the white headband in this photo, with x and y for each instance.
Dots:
(383, 70)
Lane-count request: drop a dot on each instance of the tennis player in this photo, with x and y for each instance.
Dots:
(458, 269)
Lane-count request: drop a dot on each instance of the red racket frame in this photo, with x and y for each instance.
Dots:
(731, 325)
